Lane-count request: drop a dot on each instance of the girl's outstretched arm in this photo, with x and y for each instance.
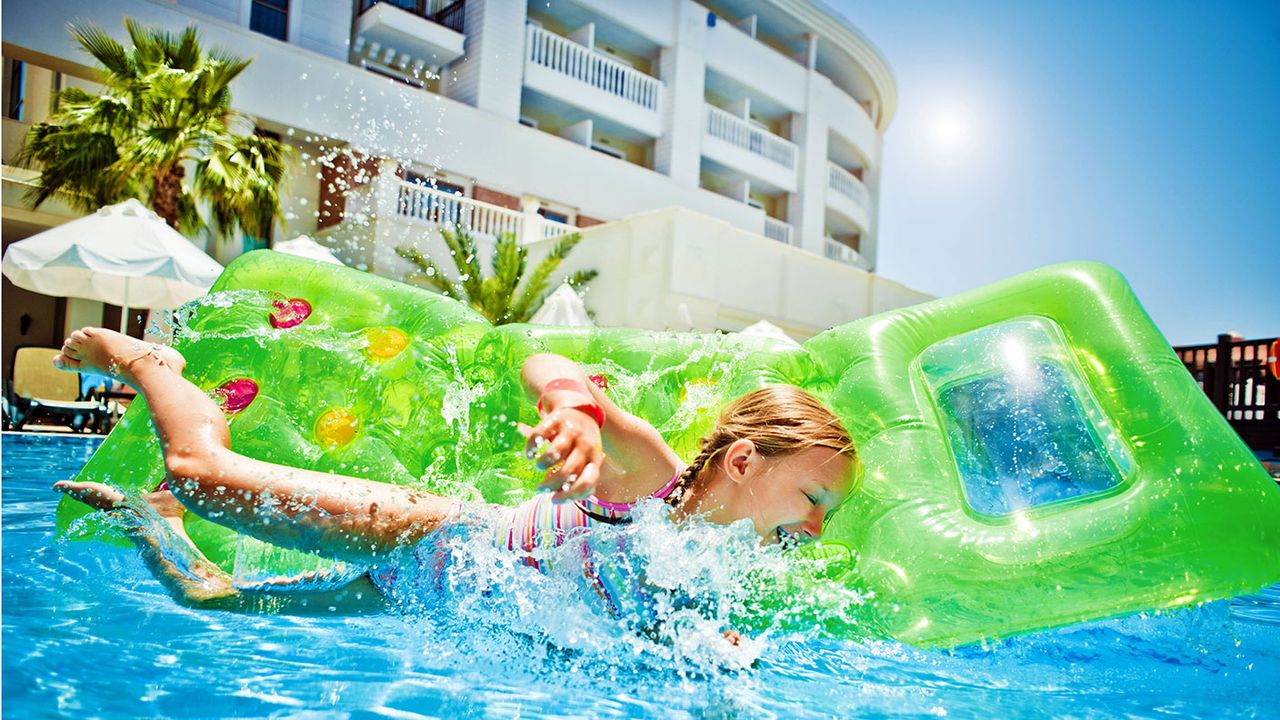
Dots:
(634, 459)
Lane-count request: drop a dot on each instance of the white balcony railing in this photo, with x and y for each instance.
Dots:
(844, 182)
(777, 230)
(833, 249)
(736, 131)
(425, 204)
(581, 63)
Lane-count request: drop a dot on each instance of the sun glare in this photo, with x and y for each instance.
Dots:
(951, 132)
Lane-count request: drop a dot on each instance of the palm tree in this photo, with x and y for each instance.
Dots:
(498, 297)
(160, 130)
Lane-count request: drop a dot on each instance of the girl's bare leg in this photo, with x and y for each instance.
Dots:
(192, 579)
(344, 517)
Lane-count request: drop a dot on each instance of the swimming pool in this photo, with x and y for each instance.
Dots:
(88, 632)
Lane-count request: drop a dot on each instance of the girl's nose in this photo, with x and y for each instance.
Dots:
(812, 525)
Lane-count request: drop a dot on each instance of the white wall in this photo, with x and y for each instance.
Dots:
(653, 263)
(651, 18)
(323, 26)
(489, 75)
(756, 65)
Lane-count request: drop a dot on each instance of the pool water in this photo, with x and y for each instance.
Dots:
(87, 632)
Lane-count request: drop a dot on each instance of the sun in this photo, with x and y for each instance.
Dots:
(951, 131)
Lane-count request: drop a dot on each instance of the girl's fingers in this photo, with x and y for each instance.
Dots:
(574, 464)
(582, 487)
(556, 451)
(537, 437)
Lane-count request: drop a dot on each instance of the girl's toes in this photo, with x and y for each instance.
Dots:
(62, 362)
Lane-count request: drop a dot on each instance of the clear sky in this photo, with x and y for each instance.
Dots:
(1145, 135)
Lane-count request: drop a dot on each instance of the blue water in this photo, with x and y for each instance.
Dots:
(88, 633)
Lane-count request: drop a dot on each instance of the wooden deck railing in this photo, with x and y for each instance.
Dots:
(1239, 378)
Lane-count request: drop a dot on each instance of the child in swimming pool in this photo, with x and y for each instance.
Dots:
(776, 458)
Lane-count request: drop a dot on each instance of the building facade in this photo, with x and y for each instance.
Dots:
(761, 119)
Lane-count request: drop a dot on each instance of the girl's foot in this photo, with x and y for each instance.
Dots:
(107, 352)
(106, 498)
(199, 581)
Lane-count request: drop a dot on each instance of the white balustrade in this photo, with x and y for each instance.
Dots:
(845, 183)
(777, 230)
(833, 249)
(736, 131)
(582, 63)
(555, 228)
(426, 204)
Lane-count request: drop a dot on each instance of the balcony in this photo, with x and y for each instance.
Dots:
(743, 58)
(410, 35)
(778, 230)
(833, 249)
(736, 143)
(847, 195)
(580, 76)
(390, 212)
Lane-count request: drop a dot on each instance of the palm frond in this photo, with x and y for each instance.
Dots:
(535, 288)
(509, 259)
(462, 246)
(580, 278)
(429, 274)
(105, 49)
(186, 54)
(165, 102)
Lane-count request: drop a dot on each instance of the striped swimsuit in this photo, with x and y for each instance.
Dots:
(539, 524)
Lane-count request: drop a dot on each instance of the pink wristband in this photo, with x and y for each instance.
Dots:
(590, 407)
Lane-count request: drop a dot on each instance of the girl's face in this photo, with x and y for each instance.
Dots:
(787, 497)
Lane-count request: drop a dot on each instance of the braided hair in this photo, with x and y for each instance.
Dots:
(778, 419)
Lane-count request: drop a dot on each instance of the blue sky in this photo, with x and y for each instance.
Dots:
(1145, 135)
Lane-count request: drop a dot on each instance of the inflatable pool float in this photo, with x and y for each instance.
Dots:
(1034, 452)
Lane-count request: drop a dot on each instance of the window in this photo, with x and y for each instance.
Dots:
(418, 178)
(270, 17)
(15, 76)
(1024, 428)
(553, 215)
(612, 152)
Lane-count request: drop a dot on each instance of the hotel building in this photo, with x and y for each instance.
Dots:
(721, 158)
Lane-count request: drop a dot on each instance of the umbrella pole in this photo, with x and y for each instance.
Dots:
(124, 310)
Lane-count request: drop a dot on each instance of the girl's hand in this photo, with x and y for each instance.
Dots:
(567, 445)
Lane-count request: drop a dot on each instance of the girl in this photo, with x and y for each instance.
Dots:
(776, 458)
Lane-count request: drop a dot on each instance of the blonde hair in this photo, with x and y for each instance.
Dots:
(779, 419)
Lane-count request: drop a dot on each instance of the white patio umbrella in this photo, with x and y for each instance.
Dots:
(764, 328)
(563, 307)
(304, 246)
(123, 254)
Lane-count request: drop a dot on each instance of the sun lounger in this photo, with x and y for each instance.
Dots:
(40, 393)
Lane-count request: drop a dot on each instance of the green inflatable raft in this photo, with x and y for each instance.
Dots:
(1034, 454)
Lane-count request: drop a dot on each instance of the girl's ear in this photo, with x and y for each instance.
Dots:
(737, 459)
